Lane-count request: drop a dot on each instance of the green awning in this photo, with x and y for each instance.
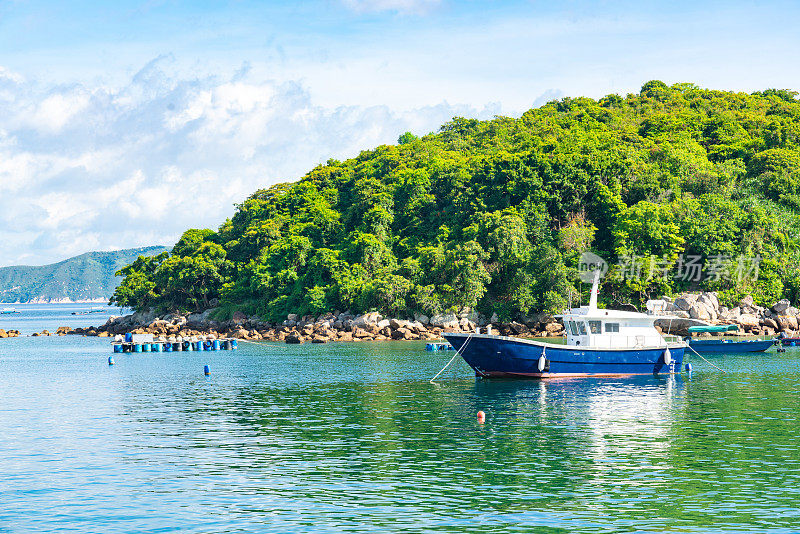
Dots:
(718, 328)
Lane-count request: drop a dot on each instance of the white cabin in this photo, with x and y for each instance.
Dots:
(592, 327)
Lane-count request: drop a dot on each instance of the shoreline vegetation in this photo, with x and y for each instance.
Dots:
(493, 217)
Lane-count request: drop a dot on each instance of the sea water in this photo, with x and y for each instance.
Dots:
(352, 437)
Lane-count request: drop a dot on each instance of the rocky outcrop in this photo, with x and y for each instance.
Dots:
(704, 308)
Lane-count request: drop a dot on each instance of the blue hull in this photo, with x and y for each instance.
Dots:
(720, 346)
(499, 356)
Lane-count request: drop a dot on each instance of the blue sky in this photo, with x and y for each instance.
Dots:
(123, 124)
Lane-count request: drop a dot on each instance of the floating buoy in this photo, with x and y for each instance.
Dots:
(667, 357)
(481, 417)
(110, 360)
(688, 367)
(206, 370)
(542, 363)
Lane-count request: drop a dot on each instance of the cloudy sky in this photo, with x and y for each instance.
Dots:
(124, 123)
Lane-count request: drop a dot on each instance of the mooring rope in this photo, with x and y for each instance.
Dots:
(708, 362)
(458, 353)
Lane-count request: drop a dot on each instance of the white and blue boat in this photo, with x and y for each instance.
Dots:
(599, 342)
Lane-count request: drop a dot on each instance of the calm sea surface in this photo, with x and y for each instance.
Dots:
(353, 438)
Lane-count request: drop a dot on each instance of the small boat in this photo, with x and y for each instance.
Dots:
(8, 311)
(599, 342)
(722, 345)
(789, 341)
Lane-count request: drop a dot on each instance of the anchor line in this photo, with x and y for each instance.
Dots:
(458, 353)
(701, 357)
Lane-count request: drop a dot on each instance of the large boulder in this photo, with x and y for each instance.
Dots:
(701, 311)
(781, 306)
(746, 302)
(787, 322)
(791, 311)
(748, 320)
(368, 319)
(424, 319)
(685, 301)
(445, 321)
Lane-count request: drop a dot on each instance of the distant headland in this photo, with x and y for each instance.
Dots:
(89, 277)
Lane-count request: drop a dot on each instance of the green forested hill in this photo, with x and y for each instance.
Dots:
(494, 214)
(85, 277)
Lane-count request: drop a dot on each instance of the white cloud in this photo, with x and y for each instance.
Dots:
(399, 6)
(97, 167)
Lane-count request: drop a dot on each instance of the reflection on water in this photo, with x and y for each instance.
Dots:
(353, 437)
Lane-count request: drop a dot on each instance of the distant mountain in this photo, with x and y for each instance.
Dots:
(88, 277)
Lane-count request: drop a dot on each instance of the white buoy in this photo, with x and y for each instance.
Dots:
(118, 338)
(667, 357)
(542, 363)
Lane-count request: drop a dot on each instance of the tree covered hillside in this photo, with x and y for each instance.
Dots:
(494, 214)
(85, 277)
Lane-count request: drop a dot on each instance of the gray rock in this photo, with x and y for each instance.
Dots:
(292, 317)
(747, 319)
(791, 311)
(445, 321)
(399, 323)
(700, 311)
(746, 302)
(686, 301)
(781, 306)
(424, 319)
(383, 323)
(371, 318)
(494, 318)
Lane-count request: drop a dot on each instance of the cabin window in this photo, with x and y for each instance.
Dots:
(612, 327)
(582, 328)
(594, 327)
(573, 327)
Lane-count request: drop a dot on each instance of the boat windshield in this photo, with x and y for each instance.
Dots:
(594, 327)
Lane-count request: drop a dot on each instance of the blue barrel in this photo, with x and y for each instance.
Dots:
(117, 347)
(224, 344)
(157, 347)
(792, 343)
(234, 344)
(215, 344)
(198, 345)
(128, 338)
(137, 347)
(207, 345)
(167, 347)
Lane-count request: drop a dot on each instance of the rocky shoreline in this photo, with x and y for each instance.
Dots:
(335, 326)
(680, 313)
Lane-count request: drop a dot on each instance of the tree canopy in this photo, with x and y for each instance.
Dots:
(493, 215)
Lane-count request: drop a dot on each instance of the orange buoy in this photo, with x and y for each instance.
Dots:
(481, 417)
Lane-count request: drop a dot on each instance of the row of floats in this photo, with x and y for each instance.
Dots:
(148, 343)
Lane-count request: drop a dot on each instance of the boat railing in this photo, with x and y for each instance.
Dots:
(631, 342)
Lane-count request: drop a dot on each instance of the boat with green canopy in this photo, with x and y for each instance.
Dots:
(722, 345)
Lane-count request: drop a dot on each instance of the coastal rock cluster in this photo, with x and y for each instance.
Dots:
(701, 308)
(335, 326)
(10, 333)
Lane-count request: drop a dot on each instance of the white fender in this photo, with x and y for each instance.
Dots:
(542, 363)
(667, 357)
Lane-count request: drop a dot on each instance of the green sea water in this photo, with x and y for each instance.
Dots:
(354, 438)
